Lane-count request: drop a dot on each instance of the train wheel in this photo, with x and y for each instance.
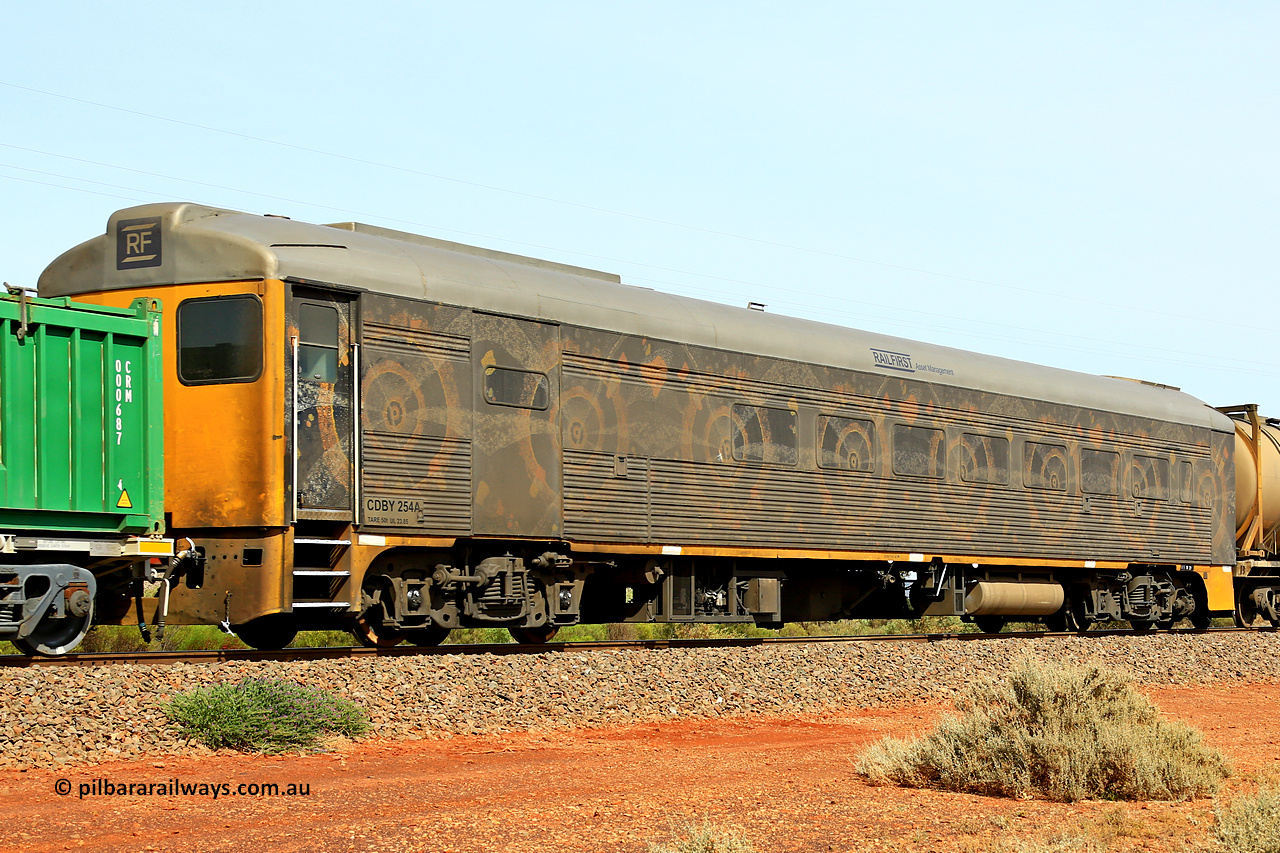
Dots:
(267, 633)
(990, 624)
(375, 635)
(533, 636)
(1246, 613)
(433, 636)
(1076, 613)
(54, 637)
(1200, 618)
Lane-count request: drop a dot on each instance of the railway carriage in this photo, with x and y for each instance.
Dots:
(400, 435)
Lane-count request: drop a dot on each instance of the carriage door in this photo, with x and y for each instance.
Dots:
(516, 440)
(321, 381)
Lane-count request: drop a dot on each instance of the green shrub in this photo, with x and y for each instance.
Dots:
(1062, 733)
(322, 640)
(706, 837)
(582, 633)
(190, 638)
(263, 715)
(111, 639)
(1250, 824)
(471, 636)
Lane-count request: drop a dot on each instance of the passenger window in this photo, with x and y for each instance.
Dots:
(523, 389)
(1201, 486)
(1149, 478)
(846, 443)
(219, 340)
(984, 459)
(1099, 472)
(762, 434)
(919, 451)
(318, 342)
(1044, 467)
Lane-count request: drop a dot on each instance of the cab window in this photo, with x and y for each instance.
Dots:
(219, 340)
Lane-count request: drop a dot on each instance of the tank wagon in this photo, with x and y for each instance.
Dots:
(401, 435)
(81, 465)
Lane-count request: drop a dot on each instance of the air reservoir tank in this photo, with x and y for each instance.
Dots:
(1011, 598)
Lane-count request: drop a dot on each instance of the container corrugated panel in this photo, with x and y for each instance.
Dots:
(81, 417)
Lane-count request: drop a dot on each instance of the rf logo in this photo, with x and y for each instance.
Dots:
(138, 243)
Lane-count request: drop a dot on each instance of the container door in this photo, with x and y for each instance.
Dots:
(516, 446)
(321, 364)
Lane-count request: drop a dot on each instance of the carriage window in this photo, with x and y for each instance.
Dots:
(219, 340)
(761, 434)
(1186, 494)
(318, 342)
(1099, 472)
(1149, 477)
(846, 443)
(520, 388)
(919, 451)
(1044, 467)
(984, 459)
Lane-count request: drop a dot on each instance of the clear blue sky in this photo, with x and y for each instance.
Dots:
(1087, 185)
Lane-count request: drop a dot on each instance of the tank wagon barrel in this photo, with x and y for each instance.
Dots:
(398, 435)
(1257, 454)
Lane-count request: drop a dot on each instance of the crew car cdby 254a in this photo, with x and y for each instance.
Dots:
(400, 435)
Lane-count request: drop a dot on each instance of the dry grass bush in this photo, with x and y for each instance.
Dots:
(706, 837)
(1061, 733)
(1250, 824)
(1065, 842)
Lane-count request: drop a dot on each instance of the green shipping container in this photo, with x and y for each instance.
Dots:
(81, 417)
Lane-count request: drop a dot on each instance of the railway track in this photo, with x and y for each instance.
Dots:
(340, 652)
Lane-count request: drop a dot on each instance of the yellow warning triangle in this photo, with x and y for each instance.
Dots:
(124, 501)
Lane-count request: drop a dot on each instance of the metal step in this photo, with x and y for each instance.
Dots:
(322, 542)
(322, 605)
(321, 573)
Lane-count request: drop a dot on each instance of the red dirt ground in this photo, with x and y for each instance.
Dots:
(789, 783)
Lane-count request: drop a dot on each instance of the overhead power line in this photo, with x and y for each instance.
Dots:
(1110, 304)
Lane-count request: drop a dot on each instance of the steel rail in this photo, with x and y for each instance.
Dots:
(339, 652)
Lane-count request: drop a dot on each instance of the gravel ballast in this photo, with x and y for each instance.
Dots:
(52, 716)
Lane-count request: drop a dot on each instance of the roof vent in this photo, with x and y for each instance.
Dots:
(1145, 382)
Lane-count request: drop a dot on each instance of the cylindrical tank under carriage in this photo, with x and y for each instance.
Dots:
(401, 435)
